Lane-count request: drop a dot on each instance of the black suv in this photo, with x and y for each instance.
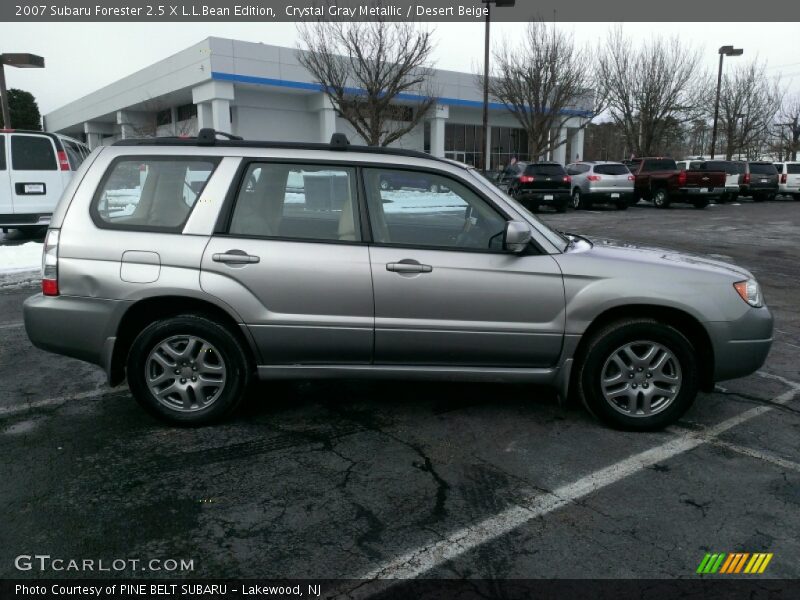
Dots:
(759, 179)
(537, 183)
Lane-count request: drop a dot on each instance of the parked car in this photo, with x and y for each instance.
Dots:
(539, 183)
(600, 182)
(732, 171)
(35, 167)
(758, 179)
(789, 179)
(190, 301)
(660, 181)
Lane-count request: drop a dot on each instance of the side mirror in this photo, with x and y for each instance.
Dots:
(517, 236)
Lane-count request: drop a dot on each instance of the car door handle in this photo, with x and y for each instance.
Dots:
(235, 257)
(408, 267)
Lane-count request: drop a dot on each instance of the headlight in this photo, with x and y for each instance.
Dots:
(749, 291)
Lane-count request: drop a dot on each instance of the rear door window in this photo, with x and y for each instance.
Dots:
(763, 168)
(290, 201)
(793, 169)
(611, 170)
(32, 153)
(151, 194)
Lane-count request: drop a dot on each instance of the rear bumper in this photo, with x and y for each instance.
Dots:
(543, 197)
(785, 188)
(697, 192)
(742, 346)
(25, 220)
(748, 190)
(609, 195)
(81, 328)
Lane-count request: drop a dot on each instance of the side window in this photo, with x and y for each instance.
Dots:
(2, 153)
(151, 193)
(73, 154)
(32, 153)
(430, 211)
(297, 202)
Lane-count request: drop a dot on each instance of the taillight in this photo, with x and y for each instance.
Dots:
(526, 179)
(682, 178)
(567, 179)
(63, 161)
(746, 178)
(50, 264)
(783, 178)
(631, 178)
(594, 178)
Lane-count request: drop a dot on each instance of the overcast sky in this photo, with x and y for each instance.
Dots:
(82, 57)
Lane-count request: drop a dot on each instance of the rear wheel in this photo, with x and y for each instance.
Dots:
(661, 198)
(578, 203)
(638, 374)
(187, 370)
(700, 203)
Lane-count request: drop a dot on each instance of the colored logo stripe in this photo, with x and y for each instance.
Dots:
(734, 563)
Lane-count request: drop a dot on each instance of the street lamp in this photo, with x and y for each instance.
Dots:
(723, 52)
(21, 61)
(485, 130)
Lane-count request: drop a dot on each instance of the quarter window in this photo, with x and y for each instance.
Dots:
(32, 153)
(151, 193)
(297, 202)
(414, 208)
(2, 153)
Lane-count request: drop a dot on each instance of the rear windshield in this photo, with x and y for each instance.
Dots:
(611, 170)
(736, 167)
(763, 168)
(718, 165)
(659, 164)
(793, 169)
(150, 194)
(32, 153)
(551, 170)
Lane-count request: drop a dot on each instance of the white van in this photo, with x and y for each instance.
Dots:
(789, 179)
(35, 167)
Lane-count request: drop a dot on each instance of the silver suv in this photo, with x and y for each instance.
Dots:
(191, 265)
(599, 182)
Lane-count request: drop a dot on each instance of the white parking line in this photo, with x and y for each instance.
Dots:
(18, 408)
(759, 454)
(425, 558)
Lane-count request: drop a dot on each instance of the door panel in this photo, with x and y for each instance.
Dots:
(36, 181)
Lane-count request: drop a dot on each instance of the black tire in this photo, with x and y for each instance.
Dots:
(578, 203)
(622, 205)
(723, 199)
(700, 203)
(229, 350)
(604, 343)
(661, 198)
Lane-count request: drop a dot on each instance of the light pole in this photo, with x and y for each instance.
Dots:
(723, 52)
(485, 130)
(21, 61)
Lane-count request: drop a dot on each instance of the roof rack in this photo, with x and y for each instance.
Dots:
(209, 137)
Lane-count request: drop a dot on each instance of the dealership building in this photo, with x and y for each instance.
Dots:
(259, 91)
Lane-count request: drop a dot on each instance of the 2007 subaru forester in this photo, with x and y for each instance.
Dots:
(190, 265)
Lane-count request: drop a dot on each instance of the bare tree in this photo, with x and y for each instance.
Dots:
(749, 101)
(789, 127)
(365, 68)
(651, 86)
(539, 79)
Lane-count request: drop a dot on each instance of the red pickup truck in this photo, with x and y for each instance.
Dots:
(661, 181)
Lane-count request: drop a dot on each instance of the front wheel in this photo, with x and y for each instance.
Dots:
(661, 199)
(638, 374)
(187, 370)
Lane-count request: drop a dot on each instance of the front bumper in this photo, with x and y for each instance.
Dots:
(82, 328)
(741, 346)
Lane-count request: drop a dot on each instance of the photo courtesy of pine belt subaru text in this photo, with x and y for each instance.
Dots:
(191, 266)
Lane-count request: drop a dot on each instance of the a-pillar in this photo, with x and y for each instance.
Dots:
(213, 100)
(438, 116)
(560, 151)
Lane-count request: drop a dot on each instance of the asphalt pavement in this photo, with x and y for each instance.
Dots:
(401, 479)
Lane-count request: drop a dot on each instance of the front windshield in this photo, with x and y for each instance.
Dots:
(556, 238)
